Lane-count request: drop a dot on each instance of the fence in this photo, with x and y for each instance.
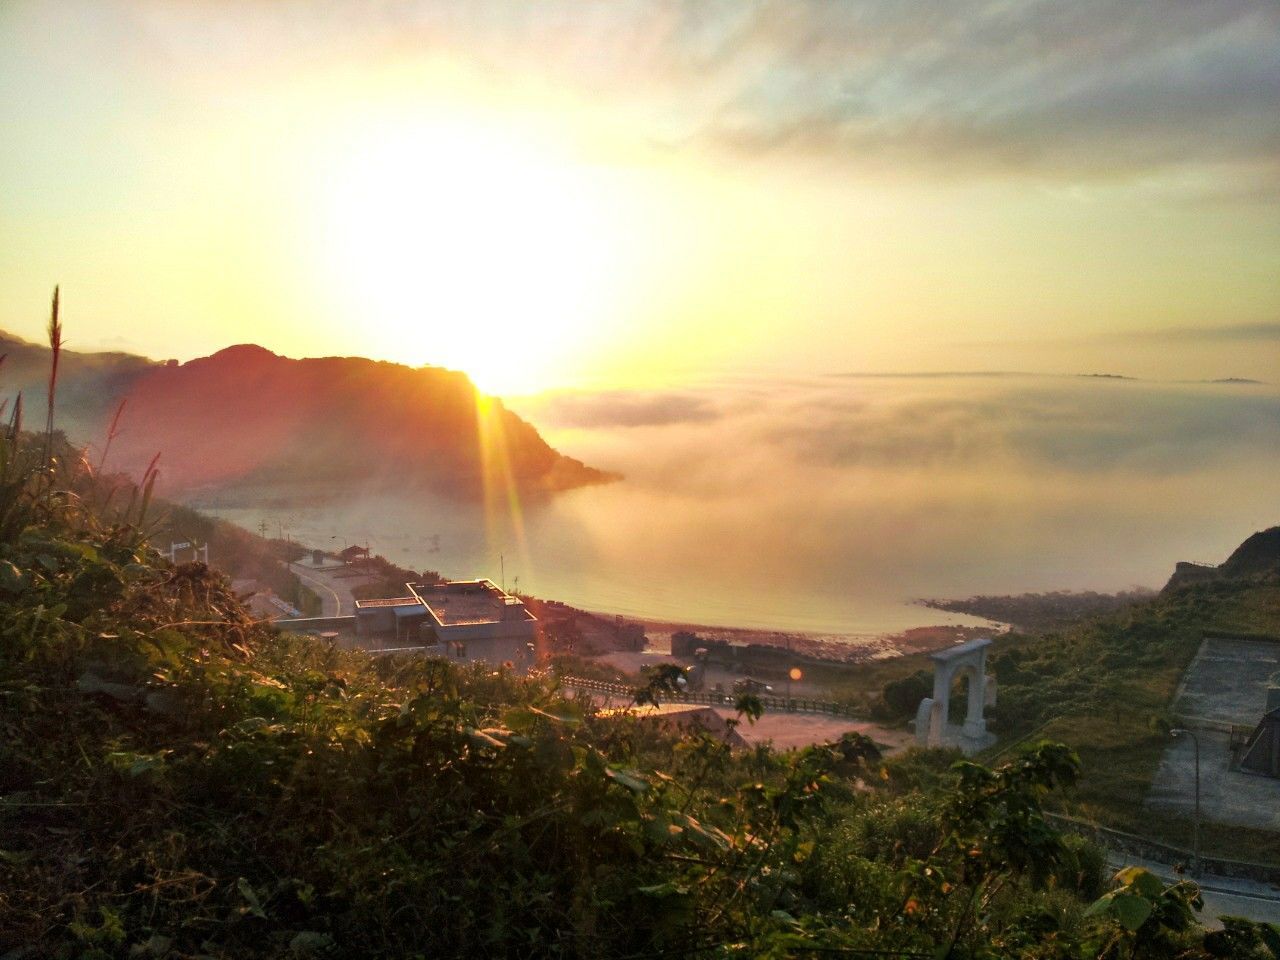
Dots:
(770, 703)
(1148, 849)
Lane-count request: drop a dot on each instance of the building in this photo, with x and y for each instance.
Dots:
(467, 620)
(682, 718)
(1261, 752)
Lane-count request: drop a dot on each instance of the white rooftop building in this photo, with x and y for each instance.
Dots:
(464, 620)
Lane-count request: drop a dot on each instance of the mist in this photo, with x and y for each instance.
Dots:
(830, 503)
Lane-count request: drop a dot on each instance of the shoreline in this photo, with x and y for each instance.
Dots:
(840, 648)
(830, 647)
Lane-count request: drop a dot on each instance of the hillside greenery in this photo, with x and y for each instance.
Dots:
(1104, 686)
(178, 780)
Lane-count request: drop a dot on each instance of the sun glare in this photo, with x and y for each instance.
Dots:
(461, 244)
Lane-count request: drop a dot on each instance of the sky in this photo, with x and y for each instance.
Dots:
(618, 195)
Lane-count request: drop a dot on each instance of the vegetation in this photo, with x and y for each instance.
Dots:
(1105, 686)
(235, 550)
(1036, 612)
(181, 781)
(389, 579)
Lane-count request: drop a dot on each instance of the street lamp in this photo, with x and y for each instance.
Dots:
(1177, 732)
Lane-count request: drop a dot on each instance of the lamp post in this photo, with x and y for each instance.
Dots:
(1177, 732)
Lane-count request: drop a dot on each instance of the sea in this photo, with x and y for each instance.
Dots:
(832, 504)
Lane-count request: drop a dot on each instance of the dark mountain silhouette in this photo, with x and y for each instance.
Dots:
(89, 384)
(1258, 556)
(246, 417)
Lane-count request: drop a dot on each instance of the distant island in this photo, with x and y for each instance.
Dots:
(246, 419)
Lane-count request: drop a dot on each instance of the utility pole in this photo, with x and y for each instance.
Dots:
(502, 565)
(789, 673)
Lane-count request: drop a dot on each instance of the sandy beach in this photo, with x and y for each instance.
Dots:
(835, 647)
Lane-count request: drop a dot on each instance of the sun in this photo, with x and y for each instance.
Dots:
(457, 242)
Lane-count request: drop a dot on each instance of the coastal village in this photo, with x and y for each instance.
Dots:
(1222, 762)
(477, 621)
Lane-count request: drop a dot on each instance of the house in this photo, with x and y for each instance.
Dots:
(467, 620)
(682, 718)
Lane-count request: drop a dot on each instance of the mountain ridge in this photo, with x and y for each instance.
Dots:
(246, 416)
(1257, 556)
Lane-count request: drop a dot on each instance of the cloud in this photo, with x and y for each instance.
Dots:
(620, 408)
(1097, 88)
(1056, 425)
(1172, 91)
(1231, 333)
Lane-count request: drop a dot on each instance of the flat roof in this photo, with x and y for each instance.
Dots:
(465, 608)
(458, 602)
(389, 602)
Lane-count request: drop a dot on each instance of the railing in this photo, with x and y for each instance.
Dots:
(1163, 852)
(770, 703)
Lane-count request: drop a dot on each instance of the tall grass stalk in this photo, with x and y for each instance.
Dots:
(112, 432)
(55, 348)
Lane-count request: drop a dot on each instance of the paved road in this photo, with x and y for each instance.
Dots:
(1223, 896)
(334, 592)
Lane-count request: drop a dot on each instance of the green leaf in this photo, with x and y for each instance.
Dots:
(251, 897)
(566, 718)
(1146, 884)
(484, 738)
(1130, 910)
(662, 890)
(11, 578)
(631, 781)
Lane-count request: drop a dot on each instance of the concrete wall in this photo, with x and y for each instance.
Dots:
(521, 630)
(494, 650)
(382, 620)
(321, 624)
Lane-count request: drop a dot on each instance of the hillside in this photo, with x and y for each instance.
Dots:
(1032, 612)
(89, 384)
(1258, 556)
(1104, 684)
(245, 417)
(179, 781)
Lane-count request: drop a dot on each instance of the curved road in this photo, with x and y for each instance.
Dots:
(334, 592)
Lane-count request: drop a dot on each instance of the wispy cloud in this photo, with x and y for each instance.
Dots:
(620, 408)
(1098, 88)
(1232, 333)
(1024, 423)
(1156, 91)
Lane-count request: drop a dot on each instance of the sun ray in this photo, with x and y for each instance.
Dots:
(503, 513)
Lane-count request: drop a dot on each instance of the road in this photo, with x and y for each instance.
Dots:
(334, 592)
(1223, 896)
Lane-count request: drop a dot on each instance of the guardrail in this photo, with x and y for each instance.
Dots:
(769, 702)
(1162, 852)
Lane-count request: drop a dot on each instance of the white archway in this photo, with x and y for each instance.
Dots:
(932, 728)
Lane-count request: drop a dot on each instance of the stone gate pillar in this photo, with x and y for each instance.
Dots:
(932, 728)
